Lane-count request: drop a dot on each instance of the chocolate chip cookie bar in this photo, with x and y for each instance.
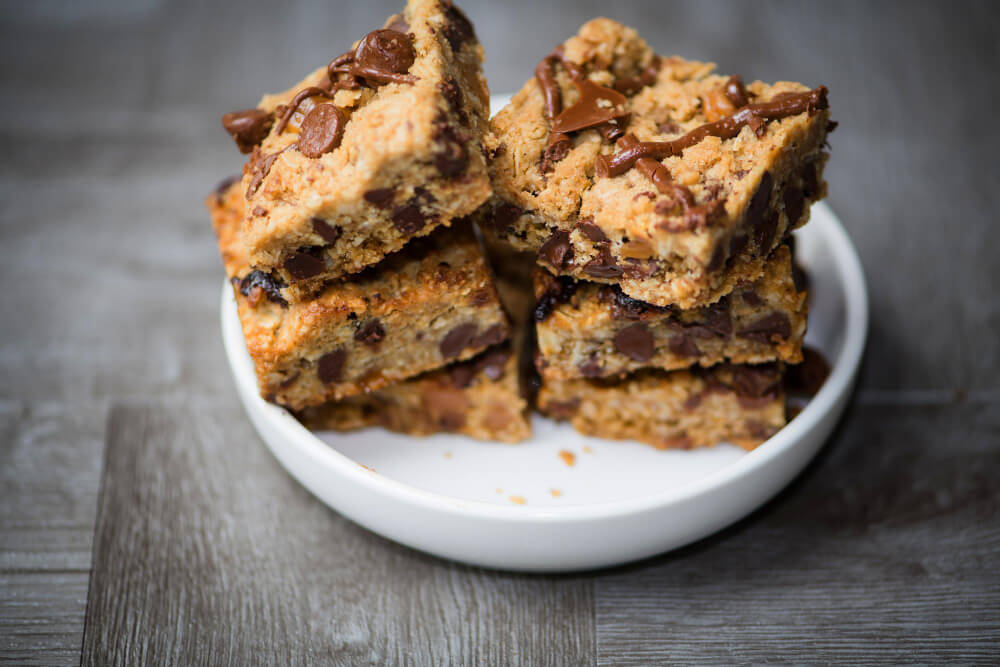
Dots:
(620, 166)
(423, 307)
(587, 329)
(478, 398)
(382, 145)
(742, 405)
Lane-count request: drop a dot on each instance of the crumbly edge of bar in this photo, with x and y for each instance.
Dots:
(598, 331)
(470, 398)
(674, 410)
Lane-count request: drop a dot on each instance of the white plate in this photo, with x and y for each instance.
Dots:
(621, 501)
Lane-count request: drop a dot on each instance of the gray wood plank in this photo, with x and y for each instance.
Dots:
(886, 550)
(206, 552)
(41, 616)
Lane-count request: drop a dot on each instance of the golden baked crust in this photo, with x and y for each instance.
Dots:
(590, 330)
(417, 310)
(410, 159)
(724, 205)
(478, 398)
(743, 405)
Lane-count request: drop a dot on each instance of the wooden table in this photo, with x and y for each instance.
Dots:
(205, 551)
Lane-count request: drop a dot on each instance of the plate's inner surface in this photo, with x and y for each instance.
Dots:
(537, 472)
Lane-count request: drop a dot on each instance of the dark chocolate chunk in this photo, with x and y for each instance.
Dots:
(331, 366)
(321, 131)
(493, 361)
(270, 285)
(592, 231)
(453, 96)
(718, 259)
(759, 201)
(603, 266)
(682, 345)
(559, 290)
(765, 232)
(738, 244)
(751, 297)
(595, 106)
(492, 336)
(259, 211)
(756, 381)
(635, 342)
(810, 181)
(795, 204)
(562, 409)
(381, 197)
(808, 377)
(556, 251)
(305, 263)
(452, 157)
(624, 307)
(370, 333)
(505, 215)
(457, 340)
(766, 329)
(462, 374)
(248, 127)
(458, 30)
(558, 148)
(718, 319)
(328, 233)
(408, 219)
(668, 127)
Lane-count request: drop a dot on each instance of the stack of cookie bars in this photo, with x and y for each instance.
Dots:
(658, 199)
(364, 295)
(637, 211)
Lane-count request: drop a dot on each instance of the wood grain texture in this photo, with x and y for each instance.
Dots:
(887, 549)
(207, 553)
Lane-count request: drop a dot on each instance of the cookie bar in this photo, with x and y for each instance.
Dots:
(382, 145)
(587, 329)
(430, 304)
(742, 405)
(478, 398)
(619, 166)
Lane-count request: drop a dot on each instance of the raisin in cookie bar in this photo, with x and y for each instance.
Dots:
(423, 307)
(742, 405)
(382, 145)
(623, 167)
(478, 398)
(587, 329)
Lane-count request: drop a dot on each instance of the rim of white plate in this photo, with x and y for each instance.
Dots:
(839, 381)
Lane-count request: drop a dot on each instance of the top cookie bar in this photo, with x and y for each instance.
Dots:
(619, 166)
(382, 145)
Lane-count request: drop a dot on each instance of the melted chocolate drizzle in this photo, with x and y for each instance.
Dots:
(754, 115)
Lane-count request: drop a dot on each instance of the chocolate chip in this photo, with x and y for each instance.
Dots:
(331, 366)
(328, 233)
(462, 374)
(385, 51)
(810, 181)
(682, 345)
(248, 127)
(482, 297)
(556, 150)
(270, 285)
(321, 130)
(640, 269)
(380, 197)
(766, 329)
(305, 263)
(624, 307)
(556, 251)
(408, 219)
(591, 368)
(718, 259)
(635, 342)
(756, 381)
(458, 30)
(370, 333)
(259, 211)
(692, 401)
(795, 204)
(603, 266)
(592, 231)
(559, 290)
(738, 244)
(505, 215)
(493, 362)
(808, 377)
(669, 127)
(453, 96)
(759, 201)
(752, 298)
(452, 157)
(457, 340)
(759, 430)
(562, 409)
